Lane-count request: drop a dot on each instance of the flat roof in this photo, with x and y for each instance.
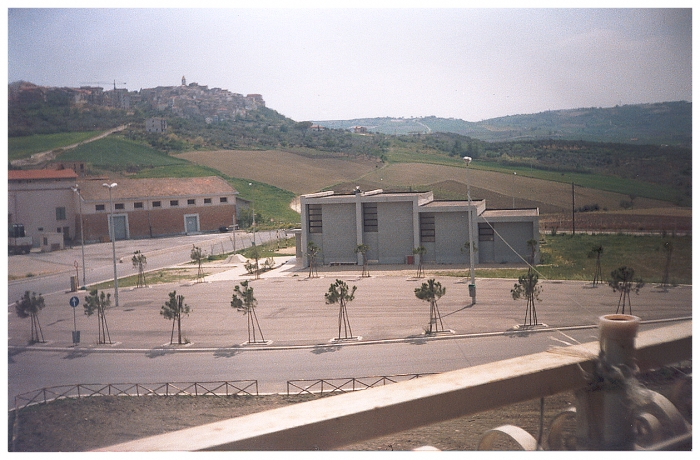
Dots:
(531, 212)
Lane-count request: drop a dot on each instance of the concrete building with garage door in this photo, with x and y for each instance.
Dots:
(393, 224)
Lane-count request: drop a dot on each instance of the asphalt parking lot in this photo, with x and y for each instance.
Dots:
(292, 311)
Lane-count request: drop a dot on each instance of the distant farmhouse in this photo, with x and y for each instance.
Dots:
(45, 202)
(156, 125)
(393, 224)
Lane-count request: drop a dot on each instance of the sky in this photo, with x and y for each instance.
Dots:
(314, 63)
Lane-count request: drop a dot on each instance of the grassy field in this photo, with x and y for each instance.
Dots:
(116, 153)
(566, 257)
(26, 146)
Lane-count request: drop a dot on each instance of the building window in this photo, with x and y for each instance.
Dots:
(485, 232)
(369, 217)
(427, 228)
(156, 204)
(223, 199)
(138, 205)
(61, 213)
(119, 206)
(190, 201)
(207, 201)
(314, 217)
(99, 207)
(174, 203)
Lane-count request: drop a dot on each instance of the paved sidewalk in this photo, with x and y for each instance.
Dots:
(292, 310)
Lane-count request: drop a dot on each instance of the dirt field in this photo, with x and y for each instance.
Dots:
(82, 425)
(301, 174)
(288, 171)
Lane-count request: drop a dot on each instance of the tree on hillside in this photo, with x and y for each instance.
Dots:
(29, 306)
(597, 251)
(174, 309)
(527, 287)
(420, 251)
(303, 126)
(139, 262)
(312, 251)
(431, 291)
(244, 301)
(363, 249)
(622, 280)
(340, 293)
(197, 255)
(98, 304)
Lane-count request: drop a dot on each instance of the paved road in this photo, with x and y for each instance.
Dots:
(51, 271)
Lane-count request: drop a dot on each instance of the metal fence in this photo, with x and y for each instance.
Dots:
(222, 388)
(343, 385)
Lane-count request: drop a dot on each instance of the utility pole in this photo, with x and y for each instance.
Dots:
(573, 211)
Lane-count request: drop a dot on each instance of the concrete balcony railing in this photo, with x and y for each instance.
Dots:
(595, 371)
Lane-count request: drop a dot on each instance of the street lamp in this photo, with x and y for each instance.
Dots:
(252, 194)
(472, 286)
(76, 189)
(114, 251)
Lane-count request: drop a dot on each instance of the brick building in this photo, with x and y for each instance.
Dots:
(145, 208)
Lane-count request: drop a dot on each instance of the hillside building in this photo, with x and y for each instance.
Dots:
(393, 224)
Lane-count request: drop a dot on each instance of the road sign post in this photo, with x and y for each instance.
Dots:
(74, 302)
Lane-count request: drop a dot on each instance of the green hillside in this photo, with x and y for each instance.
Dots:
(667, 123)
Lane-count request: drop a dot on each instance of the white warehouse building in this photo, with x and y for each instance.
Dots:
(393, 224)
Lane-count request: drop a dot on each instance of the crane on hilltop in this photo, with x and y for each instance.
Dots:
(102, 83)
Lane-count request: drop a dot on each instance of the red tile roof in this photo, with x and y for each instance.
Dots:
(39, 174)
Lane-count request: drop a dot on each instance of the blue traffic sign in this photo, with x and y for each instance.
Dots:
(74, 301)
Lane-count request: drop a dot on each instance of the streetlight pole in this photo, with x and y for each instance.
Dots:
(76, 189)
(112, 236)
(514, 174)
(472, 286)
(252, 194)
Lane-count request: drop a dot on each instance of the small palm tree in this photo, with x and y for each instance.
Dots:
(312, 251)
(29, 306)
(622, 280)
(420, 251)
(597, 251)
(340, 293)
(431, 291)
(244, 301)
(98, 304)
(527, 287)
(174, 309)
(139, 262)
(197, 255)
(363, 249)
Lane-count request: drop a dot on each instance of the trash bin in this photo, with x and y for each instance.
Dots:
(73, 283)
(472, 291)
(76, 336)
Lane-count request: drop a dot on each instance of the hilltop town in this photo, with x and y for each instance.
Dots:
(186, 100)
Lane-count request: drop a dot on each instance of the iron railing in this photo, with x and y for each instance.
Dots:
(344, 385)
(221, 388)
